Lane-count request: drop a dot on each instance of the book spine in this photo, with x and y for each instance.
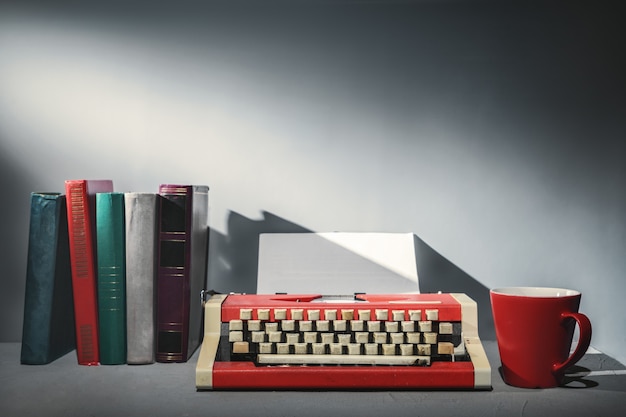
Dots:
(111, 277)
(173, 273)
(48, 327)
(198, 265)
(80, 195)
(141, 254)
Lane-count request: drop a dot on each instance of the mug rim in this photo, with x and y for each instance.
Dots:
(535, 292)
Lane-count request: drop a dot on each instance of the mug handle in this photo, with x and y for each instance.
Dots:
(583, 342)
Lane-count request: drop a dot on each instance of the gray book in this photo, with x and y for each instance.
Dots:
(141, 255)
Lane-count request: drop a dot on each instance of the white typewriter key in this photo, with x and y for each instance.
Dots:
(282, 348)
(397, 315)
(382, 314)
(254, 325)
(445, 348)
(415, 315)
(371, 348)
(361, 337)
(292, 338)
(271, 327)
(389, 349)
(347, 314)
(258, 337)
(423, 361)
(322, 325)
(318, 348)
(432, 315)
(396, 338)
(263, 313)
(310, 337)
(391, 326)
(297, 314)
(339, 325)
(235, 336)
(445, 328)
(354, 349)
(423, 349)
(336, 349)
(288, 325)
(373, 326)
(245, 314)
(408, 326)
(430, 338)
(330, 314)
(265, 347)
(364, 315)
(343, 339)
(325, 359)
(356, 325)
(235, 325)
(327, 338)
(306, 325)
(274, 336)
(413, 337)
(241, 347)
(406, 350)
(313, 314)
(280, 314)
(380, 337)
(300, 348)
(425, 326)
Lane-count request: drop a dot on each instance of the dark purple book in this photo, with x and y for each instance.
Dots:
(181, 270)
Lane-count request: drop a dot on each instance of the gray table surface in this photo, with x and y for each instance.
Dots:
(63, 388)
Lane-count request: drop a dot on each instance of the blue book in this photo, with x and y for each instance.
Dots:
(48, 328)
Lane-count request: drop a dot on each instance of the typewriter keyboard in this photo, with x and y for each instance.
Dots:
(341, 337)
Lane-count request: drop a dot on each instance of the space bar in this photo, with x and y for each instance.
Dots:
(290, 359)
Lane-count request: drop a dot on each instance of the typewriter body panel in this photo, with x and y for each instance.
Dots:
(308, 341)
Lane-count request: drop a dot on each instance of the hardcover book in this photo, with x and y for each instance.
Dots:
(182, 263)
(81, 206)
(111, 257)
(48, 328)
(141, 254)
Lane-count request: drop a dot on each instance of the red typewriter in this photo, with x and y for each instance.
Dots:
(368, 341)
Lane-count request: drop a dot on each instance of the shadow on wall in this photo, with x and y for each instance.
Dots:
(235, 256)
(436, 273)
(16, 182)
(233, 265)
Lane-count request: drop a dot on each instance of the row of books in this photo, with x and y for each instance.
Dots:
(118, 276)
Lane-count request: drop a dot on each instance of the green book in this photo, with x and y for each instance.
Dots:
(48, 328)
(110, 246)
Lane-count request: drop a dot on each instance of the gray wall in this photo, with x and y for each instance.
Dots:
(494, 131)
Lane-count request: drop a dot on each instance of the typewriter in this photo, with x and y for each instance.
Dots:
(386, 336)
(386, 341)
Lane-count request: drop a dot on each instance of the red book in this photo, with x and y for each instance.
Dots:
(81, 215)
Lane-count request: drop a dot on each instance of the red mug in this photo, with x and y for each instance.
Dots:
(534, 329)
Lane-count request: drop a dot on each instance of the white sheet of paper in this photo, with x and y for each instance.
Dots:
(337, 263)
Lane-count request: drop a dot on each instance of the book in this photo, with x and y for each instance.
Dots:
(141, 255)
(111, 255)
(48, 327)
(181, 271)
(80, 195)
